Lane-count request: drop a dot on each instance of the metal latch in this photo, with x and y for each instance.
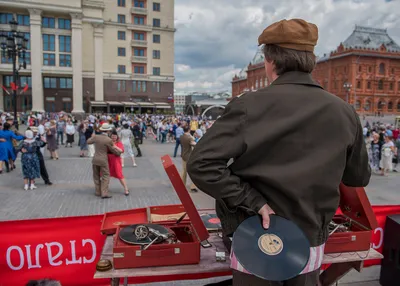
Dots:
(119, 255)
(138, 253)
(177, 250)
(353, 238)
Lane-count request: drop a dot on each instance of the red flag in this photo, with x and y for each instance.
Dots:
(26, 87)
(13, 86)
(5, 89)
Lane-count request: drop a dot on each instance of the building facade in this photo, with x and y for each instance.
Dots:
(252, 77)
(105, 54)
(364, 70)
(179, 102)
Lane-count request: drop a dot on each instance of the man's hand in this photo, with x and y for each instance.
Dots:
(265, 211)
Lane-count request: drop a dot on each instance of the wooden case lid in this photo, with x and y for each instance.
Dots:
(185, 198)
(354, 204)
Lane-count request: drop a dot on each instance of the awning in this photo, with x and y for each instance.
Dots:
(145, 104)
(163, 106)
(129, 103)
(98, 103)
(161, 103)
(114, 103)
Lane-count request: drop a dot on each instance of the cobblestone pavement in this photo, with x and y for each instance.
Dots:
(73, 193)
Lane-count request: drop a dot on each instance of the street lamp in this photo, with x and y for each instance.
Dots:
(13, 47)
(347, 86)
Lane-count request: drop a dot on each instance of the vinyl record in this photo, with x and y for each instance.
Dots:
(276, 254)
(211, 221)
(127, 234)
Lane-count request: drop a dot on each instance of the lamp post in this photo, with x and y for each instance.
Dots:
(13, 46)
(347, 87)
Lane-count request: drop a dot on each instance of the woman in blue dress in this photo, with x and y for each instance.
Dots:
(7, 152)
(30, 160)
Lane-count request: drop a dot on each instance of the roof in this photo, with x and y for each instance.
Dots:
(373, 38)
(257, 59)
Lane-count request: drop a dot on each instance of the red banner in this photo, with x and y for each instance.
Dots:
(67, 249)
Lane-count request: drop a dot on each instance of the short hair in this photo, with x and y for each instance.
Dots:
(6, 126)
(186, 128)
(286, 60)
(43, 282)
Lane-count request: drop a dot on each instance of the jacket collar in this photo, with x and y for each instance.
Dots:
(295, 77)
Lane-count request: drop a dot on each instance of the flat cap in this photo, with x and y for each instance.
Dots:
(295, 34)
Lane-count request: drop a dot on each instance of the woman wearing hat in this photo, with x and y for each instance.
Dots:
(29, 160)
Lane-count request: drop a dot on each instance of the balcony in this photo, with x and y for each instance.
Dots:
(138, 10)
(139, 76)
(137, 27)
(138, 59)
(138, 43)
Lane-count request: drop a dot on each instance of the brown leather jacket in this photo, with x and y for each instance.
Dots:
(292, 144)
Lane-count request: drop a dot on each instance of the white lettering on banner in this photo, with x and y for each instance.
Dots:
(84, 241)
(380, 238)
(29, 257)
(21, 257)
(73, 254)
(52, 258)
(52, 254)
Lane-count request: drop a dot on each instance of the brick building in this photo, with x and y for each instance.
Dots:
(364, 70)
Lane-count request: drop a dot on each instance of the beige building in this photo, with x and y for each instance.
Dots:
(99, 54)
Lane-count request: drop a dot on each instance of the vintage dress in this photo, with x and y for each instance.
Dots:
(30, 160)
(114, 162)
(7, 148)
(126, 138)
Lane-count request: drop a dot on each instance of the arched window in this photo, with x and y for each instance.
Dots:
(382, 68)
(359, 68)
(390, 105)
(398, 106)
(369, 69)
(380, 105)
(380, 84)
(369, 85)
(367, 105)
(391, 86)
(358, 84)
(358, 105)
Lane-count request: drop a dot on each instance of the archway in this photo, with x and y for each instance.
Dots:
(390, 106)
(367, 105)
(211, 107)
(358, 105)
(189, 108)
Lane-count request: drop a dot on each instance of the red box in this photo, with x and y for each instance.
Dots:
(190, 232)
(355, 208)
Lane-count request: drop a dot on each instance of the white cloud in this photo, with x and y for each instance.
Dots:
(217, 38)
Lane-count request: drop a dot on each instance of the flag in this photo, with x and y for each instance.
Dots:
(13, 86)
(5, 89)
(26, 87)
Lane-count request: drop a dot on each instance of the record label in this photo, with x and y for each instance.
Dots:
(270, 244)
(214, 220)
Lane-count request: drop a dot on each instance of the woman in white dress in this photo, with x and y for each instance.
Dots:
(126, 139)
(388, 150)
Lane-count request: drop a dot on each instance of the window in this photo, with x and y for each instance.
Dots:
(382, 68)
(156, 22)
(138, 52)
(380, 105)
(49, 42)
(138, 36)
(6, 60)
(139, 4)
(50, 82)
(66, 83)
(5, 18)
(121, 18)
(391, 86)
(358, 84)
(121, 52)
(138, 20)
(369, 69)
(48, 22)
(256, 83)
(64, 24)
(358, 105)
(392, 70)
(28, 58)
(121, 35)
(65, 44)
(156, 39)
(390, 105)
(121, 85)
(359, 68)
(156, 54)
(138, 69)
(156, 86)
(23, 20)
(25, 80)
(121, 3)
(49, 59)
(367, 105)
(398, 106)
(156, 7)
(65, 60)
(380, 85)
(121, 69)
(156, 71)
(369, 85)
(7, 80)
(28, 37)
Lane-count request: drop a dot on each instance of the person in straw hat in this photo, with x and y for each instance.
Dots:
(101, 173)
(292, 142)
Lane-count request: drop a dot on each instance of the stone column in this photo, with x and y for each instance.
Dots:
(77, 80)
(98, 62)
(36, 60)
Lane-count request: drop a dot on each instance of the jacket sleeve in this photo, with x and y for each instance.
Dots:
(207, 165)
(90, 140)
(357, 172)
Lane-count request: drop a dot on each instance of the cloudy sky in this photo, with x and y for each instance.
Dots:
(217, 38)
